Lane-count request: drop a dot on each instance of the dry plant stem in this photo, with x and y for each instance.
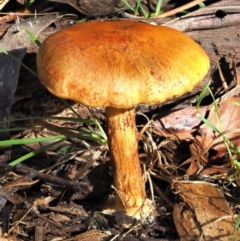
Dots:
(179, 9)
(224, 83)
(123, 147)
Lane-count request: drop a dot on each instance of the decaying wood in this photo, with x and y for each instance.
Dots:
(221, 45)
(217, 29)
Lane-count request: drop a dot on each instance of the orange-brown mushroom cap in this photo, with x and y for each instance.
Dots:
(120, 63)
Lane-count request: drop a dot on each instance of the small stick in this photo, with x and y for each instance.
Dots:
(24, 170)
(234, 66)
(179, 9)
(224, 83)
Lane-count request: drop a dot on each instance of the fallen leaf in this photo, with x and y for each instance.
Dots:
(229, 114)
(11, 55)
(181, 119)
(204, 213)
(215, 170)
(209, 139)
(179, 122)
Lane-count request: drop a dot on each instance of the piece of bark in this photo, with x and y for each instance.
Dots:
(106, 7)
(220, 43)
(99, 7)
(221, 48)
(211, 17)
(93, 235)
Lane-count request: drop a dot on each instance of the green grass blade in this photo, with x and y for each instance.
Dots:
(136, 10)
(33, 38)
(102, 132)
(145, 14)
(19, 62)
(128, 5)
(32, 140)
(202, 95)
(32, 153)
(74, 119)
(92, 136)
(17, 129)
(200, 98)
(158, 7)
(201, 5)
(236, 227)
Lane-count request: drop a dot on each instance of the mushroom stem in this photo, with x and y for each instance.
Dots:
(123, 147)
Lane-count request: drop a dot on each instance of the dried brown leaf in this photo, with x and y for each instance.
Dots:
(228, 126)
(181, 119)
(229, 114)
(205, 214)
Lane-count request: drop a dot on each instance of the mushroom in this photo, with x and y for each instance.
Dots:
(117, 65)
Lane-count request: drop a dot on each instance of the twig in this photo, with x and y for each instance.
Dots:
(24, 170)
(224, 83)
(179, 9)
